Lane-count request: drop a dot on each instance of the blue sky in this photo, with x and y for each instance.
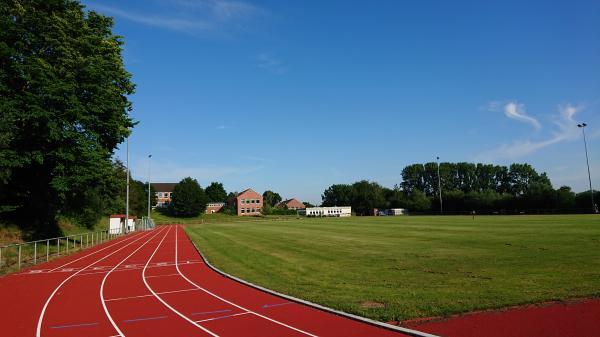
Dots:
(295, 96)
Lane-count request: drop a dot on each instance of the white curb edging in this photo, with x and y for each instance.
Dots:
(407, 331)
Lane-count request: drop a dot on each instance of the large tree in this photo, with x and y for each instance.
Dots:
(271, 198)
(64, 106)
(188, 198)
(215, 192)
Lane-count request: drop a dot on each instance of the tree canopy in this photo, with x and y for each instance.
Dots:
(64, 105)
(189, 199)
(215, 192)
(271, 198)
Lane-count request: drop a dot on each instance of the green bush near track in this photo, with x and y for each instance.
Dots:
(398, 268)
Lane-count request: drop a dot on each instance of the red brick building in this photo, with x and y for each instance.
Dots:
(164, 193)
(292, 204)
(214, 207)
(248, 202)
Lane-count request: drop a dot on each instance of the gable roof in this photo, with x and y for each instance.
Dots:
(163, 187)
(292, 201)
(248, 190)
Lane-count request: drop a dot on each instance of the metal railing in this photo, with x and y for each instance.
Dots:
(16, 256)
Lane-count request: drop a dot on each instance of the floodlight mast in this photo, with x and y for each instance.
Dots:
(149, 162)
(439, 185)
(582, 126)
(127, 191)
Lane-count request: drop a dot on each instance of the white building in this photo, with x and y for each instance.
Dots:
(341, 211)
(397, 211)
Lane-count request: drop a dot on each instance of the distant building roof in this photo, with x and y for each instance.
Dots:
(248, 190)
(292, 203)
(164, 187)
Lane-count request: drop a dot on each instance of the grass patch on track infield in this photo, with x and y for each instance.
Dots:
(397, 268)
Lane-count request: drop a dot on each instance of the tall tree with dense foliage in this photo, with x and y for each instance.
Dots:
(189, 199)
(216, 192)
(271, 198)
(64, 107)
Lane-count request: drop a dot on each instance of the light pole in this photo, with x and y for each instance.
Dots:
(149, 162)
(582, 126)
(127, 190)
(440, 185)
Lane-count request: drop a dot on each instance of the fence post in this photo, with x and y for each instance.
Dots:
(67, 245)
(81, 242)
(57, 246)
(35, 252)
(47, 250)
(0, 257)
(19, 257)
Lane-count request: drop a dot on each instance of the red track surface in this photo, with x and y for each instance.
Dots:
(153, 284)
(555, 320)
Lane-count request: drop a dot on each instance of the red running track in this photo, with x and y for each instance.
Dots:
(154, 283)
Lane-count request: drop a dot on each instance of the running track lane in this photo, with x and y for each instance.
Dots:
(157, 285)
(22, 295)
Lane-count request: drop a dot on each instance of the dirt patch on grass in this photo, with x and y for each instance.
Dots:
(371, 305)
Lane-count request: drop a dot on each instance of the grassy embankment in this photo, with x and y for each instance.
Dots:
(397, 268)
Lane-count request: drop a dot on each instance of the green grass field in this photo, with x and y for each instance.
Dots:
(397, 268)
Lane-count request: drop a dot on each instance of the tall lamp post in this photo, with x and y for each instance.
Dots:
(582, 126)
(439, 185)
(149, 162)
(127, 191)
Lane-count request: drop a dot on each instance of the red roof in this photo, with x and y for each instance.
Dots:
(122, 216)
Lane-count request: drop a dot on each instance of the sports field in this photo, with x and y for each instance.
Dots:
(397, 268)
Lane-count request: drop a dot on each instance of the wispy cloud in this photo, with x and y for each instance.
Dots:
(516, 111)
(565, 130)
(189, 16)
(271, 64)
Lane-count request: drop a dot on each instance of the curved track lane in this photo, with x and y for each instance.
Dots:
(156, 284)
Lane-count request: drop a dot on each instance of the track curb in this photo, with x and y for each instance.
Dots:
(386, 326)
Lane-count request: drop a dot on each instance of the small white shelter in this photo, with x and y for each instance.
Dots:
(117, 224)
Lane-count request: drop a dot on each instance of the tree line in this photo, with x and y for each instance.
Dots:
(465, 187)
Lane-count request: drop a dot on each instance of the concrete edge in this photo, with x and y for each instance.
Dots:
(382, 325)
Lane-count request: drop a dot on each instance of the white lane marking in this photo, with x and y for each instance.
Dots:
(96, 251)
(221, 317)
(162, 275)
(163, 301)
(104, 281)
(226, 301)
(43, 312)
(149, 295)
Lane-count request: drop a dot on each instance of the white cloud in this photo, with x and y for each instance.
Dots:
(271, 64)
(566, 130)
(172, 23)
(190, 16)
(222, 9)
(516, 111)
